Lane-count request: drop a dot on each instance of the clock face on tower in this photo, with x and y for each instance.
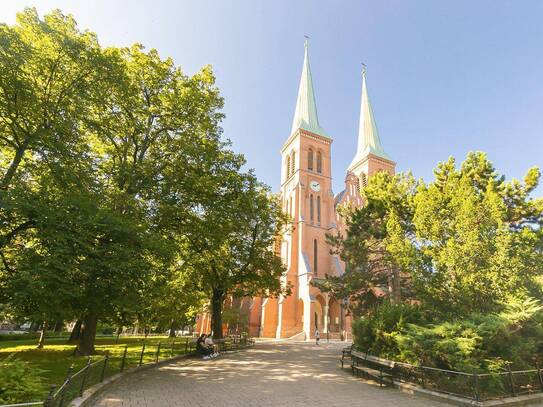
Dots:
(315, 186)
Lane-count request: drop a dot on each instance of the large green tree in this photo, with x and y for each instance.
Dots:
(469, 241)
(231, 244)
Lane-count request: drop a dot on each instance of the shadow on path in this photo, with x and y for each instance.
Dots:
(266, 375)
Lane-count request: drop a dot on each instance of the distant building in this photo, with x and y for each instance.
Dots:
(307, 196)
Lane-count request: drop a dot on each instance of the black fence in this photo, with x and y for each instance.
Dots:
(474, 386)
(95, 371)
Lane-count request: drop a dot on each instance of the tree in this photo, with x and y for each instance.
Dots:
(478, 238)
(231, 245)
(47, 71)
(371, 271)
(467, 242)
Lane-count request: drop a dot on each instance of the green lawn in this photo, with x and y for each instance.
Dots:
(57, 356)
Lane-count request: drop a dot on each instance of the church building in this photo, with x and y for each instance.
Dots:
(307, 196)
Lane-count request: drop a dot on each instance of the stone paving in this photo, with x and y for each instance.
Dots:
(266, 375)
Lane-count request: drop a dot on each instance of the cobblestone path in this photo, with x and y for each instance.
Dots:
(268, 375)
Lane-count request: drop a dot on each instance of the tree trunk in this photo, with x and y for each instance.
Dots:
(216, 312)
(41, 342)
(88, 336)
(58, 326)
(76, 332)
(172, 329)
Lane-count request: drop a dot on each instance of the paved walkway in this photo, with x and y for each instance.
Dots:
(268, 375)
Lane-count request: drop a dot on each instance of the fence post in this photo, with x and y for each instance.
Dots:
(423, 378)
(70, 372)
(539, 375)
(171, 351)
(157, 352)
(85, 374)
(49, 399)
(511, 381)
(124, 358)
(142, 352)
(67, 381)
(476, 385)
(104, 367)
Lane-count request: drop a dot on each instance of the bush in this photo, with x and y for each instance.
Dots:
(483, 342)
(378, 333)
(19, 381)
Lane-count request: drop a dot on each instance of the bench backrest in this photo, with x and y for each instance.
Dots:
(380, 361)
(358, 355)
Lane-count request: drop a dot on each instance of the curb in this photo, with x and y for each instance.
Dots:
(525, 400)
(93, 392)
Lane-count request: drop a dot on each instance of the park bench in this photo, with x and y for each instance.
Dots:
(372, 367)
(345, 352)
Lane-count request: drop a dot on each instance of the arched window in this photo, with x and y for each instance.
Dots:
(319, 162)
(311, 217)
(293, 159)
(319, 209)
(358, 182)
(287, 175)
(310, 160)
(315, 256)
(363, 180)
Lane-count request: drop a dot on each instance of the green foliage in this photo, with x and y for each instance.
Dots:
(469, 250)
(19, 381)
(119, 200)
(378, 333)
(484, 342)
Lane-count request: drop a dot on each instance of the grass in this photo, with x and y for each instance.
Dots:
(57, 356)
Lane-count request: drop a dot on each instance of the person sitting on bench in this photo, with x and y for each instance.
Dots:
(202, 348)
(208, 343)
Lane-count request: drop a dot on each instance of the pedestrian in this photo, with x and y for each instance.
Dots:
(317, 336)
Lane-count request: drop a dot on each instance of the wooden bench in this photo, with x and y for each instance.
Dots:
(376, 368)
(345, 352)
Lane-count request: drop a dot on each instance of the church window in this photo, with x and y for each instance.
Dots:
(311, 208)
(358, 182)
(310, 160)
(319, 209)
(363, 180)
(293, 159)
(319, 162)
(315, 256)
(287, 175)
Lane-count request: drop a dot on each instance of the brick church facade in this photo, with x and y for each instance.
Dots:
(307, 196)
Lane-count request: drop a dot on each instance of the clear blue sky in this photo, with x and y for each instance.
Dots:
(444, 77)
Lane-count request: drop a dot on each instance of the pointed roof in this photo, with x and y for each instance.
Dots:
(305, 115)
(368, 136)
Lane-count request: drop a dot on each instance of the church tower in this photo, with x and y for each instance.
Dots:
(307, 197)
(306, 193)
(370, 156)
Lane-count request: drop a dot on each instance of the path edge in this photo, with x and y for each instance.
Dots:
(93, 392)
(525, 400)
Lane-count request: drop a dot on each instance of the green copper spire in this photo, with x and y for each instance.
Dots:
(305, 115)
(368, 136)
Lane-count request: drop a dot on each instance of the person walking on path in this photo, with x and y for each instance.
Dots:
(317, 336)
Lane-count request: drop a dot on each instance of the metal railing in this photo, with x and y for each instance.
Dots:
(475, 386)
(124, 357)
(119, 359)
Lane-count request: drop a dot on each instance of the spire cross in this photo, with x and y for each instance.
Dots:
(306, 42)
(363, 69)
